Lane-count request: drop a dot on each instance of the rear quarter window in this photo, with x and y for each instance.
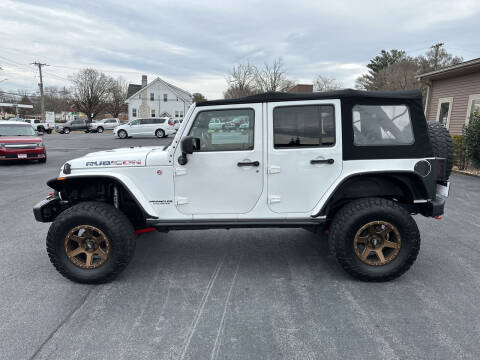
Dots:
(382, 125)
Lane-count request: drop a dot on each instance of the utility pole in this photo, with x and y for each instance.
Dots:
(40, 85)
(436, 49)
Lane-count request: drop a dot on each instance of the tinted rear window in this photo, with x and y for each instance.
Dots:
(303, 126)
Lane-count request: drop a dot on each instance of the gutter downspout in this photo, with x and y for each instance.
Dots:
(427, 100)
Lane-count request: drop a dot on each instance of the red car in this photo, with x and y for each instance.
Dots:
(18, 141)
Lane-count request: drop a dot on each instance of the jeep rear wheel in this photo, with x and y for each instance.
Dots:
(374, 239)
(91, 242)
(160, 133)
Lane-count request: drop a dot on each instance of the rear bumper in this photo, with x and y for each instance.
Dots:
(432, 208)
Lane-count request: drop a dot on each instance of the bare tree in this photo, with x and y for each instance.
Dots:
(272, 77)
(241, 81)
(323, 83)
(90, 92)
(116, 97)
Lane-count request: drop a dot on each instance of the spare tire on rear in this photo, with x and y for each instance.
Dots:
(442, 144)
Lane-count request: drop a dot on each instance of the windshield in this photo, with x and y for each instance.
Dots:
(16, 130)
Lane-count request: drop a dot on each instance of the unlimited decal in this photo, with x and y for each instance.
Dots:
(114, 163)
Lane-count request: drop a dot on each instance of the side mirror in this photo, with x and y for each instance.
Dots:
(188, 145)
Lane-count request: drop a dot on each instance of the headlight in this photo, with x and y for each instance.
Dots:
(2, 146)
(40, 144)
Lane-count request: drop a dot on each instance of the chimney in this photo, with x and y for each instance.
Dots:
(144, 81)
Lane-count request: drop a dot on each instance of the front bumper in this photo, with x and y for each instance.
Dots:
(48, 209)
(23, 154)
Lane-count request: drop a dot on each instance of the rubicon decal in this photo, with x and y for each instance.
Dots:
(114, 163)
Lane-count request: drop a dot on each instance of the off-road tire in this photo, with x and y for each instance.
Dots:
(442, 144)
(66, 131)
(41, 129)
(159, 133)
(349, 219)
(122, 134)
(110, 221)
(49, 131)
(100, 129)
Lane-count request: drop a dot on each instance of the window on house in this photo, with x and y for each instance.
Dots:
(165, 97)
(152, 97)
(303, 126)
(181, 114)
(153, 113)
(378, 125)
(176, 114)
(473, 107)
(444, 111)
(134, 112)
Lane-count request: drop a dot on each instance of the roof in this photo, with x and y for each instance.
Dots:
(338, 94)
(134, 89)
(463, 68)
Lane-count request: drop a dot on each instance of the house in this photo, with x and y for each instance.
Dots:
(453, 94)
(157, 98)
(301, 88)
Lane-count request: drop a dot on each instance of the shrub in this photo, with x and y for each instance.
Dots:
(471, 134)
(459, 153)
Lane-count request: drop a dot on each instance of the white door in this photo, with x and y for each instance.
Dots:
(226, 175)
(134, 128)
(304, 153)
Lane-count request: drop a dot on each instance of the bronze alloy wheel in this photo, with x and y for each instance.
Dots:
(87, 246)
(377, 243)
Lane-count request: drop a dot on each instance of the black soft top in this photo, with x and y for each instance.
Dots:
(338, 94)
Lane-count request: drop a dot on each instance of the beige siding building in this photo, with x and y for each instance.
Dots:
(453, 94)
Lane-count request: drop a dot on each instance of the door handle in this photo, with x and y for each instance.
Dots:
(252, 163)
(322, 161)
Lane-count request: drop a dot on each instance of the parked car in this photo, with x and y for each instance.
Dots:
(101, 125)
(230, 126)
(18, 141)
(38, 125)
(361, 164)
(76, 124)
(216, 124)
(159, 127)
(177, 123)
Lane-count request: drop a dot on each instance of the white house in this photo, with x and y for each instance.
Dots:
(158, 98)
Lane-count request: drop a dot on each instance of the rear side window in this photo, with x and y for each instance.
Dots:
(303, 126)
(377, 125)
(158, 121)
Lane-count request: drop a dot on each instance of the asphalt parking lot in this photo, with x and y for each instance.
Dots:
(233, 294)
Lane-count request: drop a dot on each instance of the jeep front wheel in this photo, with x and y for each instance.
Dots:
(91, 242)
(374, 239)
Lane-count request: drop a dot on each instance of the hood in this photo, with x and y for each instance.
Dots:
(20, 139)
(122, 157)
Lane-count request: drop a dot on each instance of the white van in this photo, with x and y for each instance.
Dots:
(159, 127)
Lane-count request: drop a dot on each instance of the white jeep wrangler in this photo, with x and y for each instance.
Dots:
(356, 164)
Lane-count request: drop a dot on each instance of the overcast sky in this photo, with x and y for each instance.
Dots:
(194, 44)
